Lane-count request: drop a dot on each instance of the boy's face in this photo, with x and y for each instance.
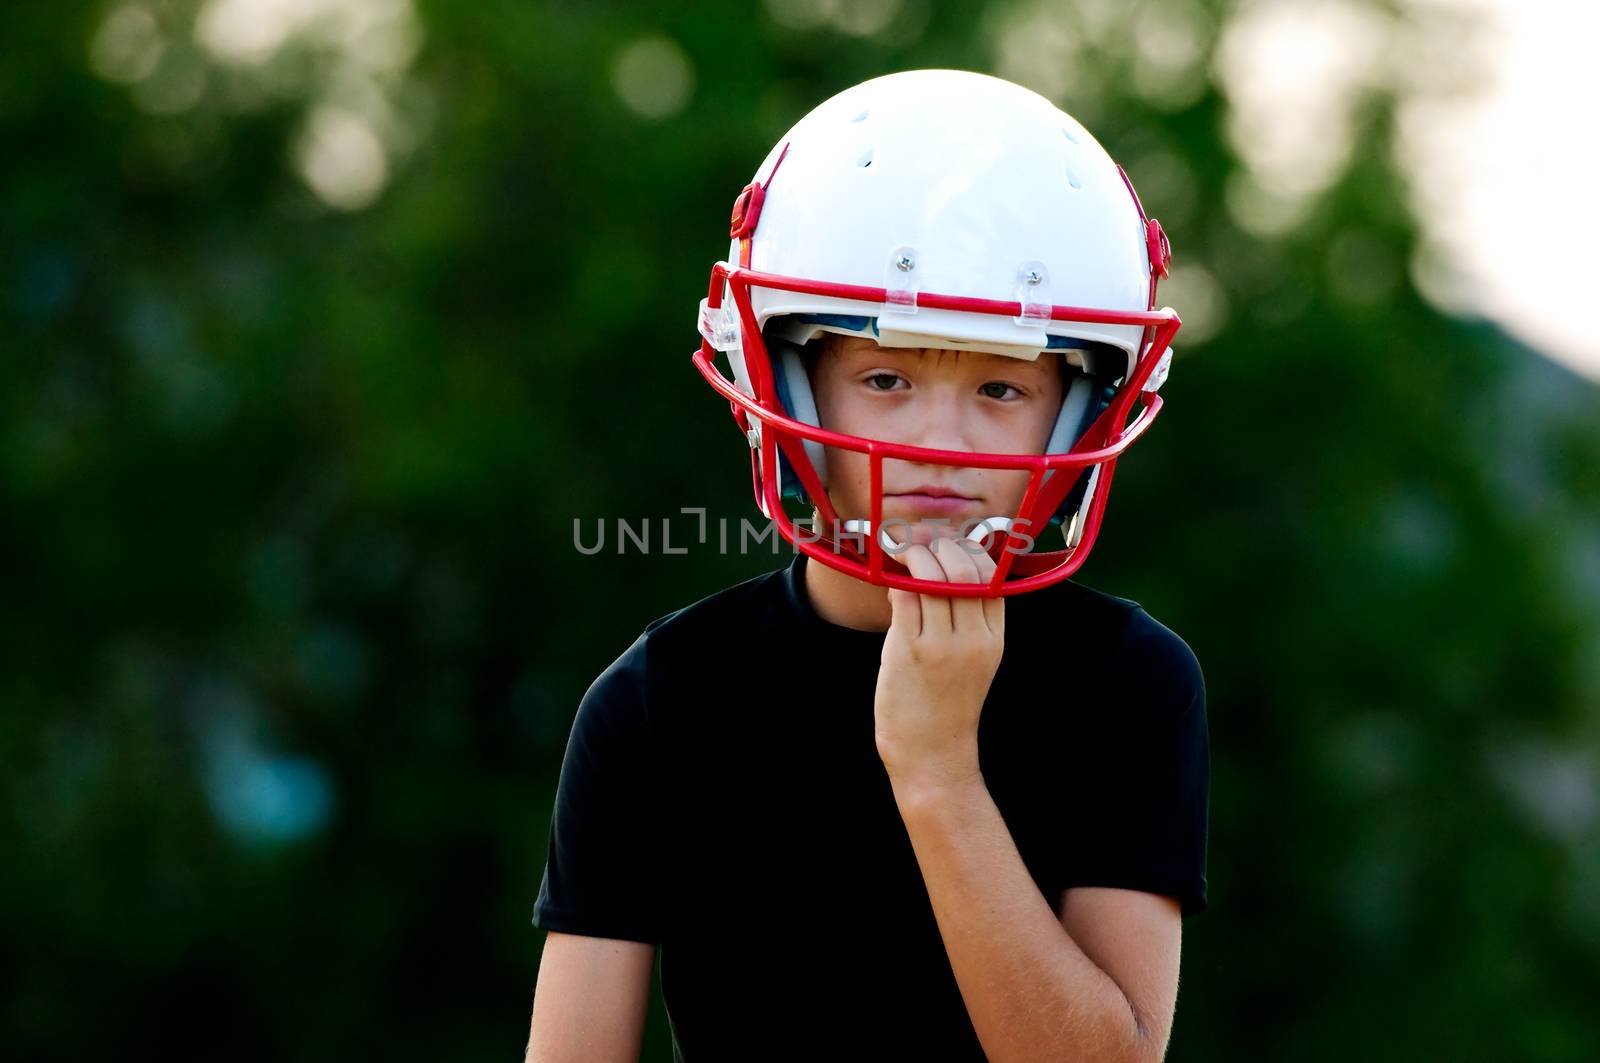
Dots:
(933, 397)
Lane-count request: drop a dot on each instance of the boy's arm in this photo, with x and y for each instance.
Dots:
(1098, 984)
(589, 1005)
(1030, 990)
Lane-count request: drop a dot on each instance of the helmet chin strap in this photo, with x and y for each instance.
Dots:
(985, 528)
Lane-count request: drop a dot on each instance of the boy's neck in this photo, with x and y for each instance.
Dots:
(846, 601)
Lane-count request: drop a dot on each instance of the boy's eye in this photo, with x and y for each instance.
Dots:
(996, 389)
(882, 381)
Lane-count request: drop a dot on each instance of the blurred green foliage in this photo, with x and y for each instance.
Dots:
(318, 334)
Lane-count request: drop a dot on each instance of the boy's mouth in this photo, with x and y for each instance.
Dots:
(931, 491)
(931, 500)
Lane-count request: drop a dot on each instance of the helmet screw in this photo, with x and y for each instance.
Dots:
(903, 263)
(1033, 276)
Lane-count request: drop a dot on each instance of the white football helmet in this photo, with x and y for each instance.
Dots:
(948, 209)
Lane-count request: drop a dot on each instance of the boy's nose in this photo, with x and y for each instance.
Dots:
(944, 420)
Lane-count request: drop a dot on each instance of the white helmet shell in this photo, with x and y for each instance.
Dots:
(956, 183)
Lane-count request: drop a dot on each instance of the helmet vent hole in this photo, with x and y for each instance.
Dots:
(1069, 134)
(862, 117)
(1072, 179)
(865, 160)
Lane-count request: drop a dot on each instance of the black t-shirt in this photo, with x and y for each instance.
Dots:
(722, 797)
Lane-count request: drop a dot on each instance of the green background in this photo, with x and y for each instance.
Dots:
(293, 626)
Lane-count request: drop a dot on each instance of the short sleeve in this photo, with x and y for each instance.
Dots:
(602, 872)
(1148, 817)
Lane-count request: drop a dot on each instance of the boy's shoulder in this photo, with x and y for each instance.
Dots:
(1074, 606)
(675, 645)
(1113, 625)
(704, 628)
(730, 605)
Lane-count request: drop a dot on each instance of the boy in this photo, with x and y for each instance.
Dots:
(881, 803)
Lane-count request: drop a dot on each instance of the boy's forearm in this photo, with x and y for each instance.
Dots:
(1030, 992)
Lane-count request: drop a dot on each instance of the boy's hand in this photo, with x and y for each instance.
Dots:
(939, 657)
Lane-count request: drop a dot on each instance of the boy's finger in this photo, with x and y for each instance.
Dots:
(936, 618)
(905, 611)
(961, 567)
(994, 609)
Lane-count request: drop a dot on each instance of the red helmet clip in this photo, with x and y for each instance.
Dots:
(747, 210)
(1158, 247)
